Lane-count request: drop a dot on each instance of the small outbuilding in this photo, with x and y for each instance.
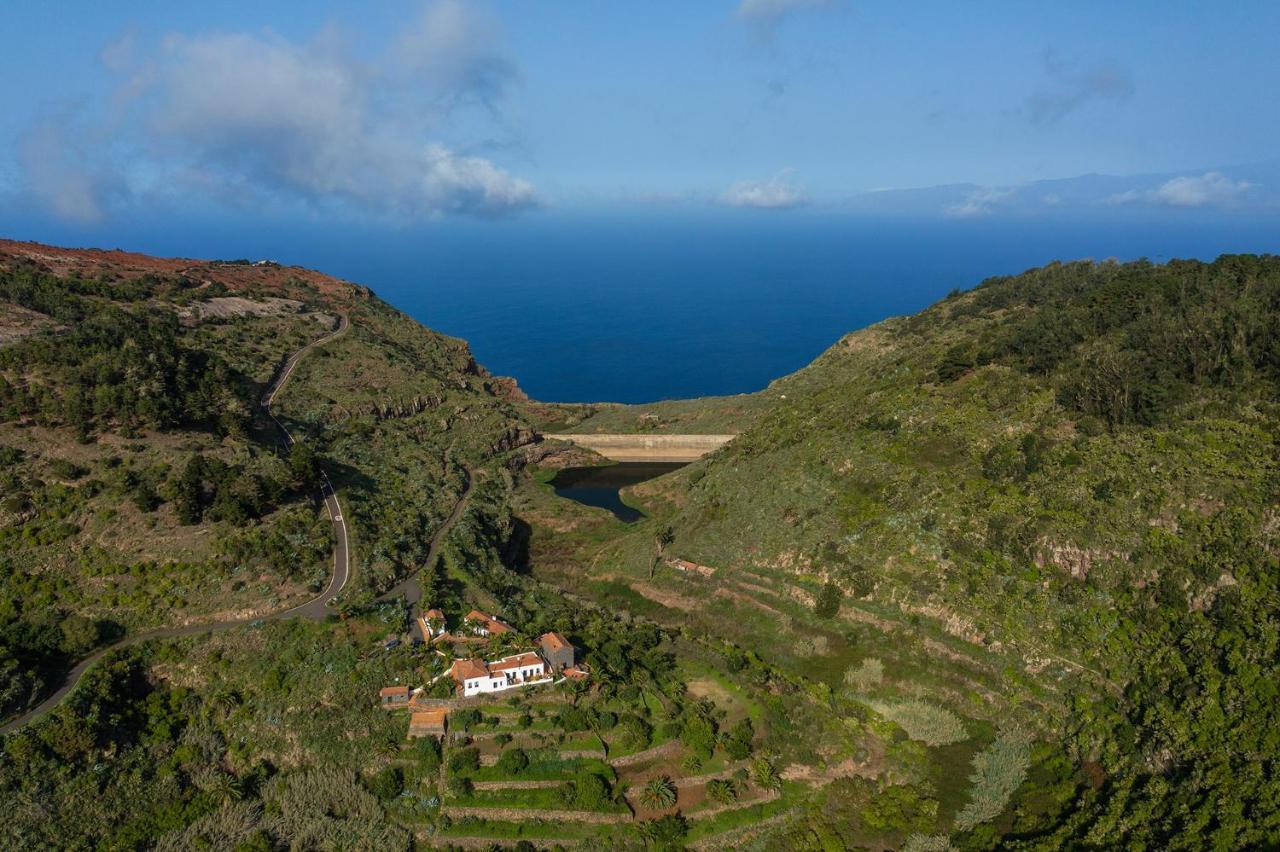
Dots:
(394, 697)
(428, 723)
(556, 650)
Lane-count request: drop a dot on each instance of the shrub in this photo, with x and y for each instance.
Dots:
(868, 674)
(998, 770)
(699, 735)
(827, 604)
(388, 783)
(665, 831)
(925, 722)
(765, 775)
(464, 761)
(587, 791)
(513, 761)
(465, 720)
(737, 742)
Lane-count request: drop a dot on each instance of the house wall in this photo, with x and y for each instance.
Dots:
(560, 659)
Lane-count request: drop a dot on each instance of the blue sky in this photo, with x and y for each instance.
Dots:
(408, 112)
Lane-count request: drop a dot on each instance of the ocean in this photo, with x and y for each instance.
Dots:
(640, 306)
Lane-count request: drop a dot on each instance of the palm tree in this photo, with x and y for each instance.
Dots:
(765, 776)
(225, 788)
(658, 794)
(722, 790)
(664, 538)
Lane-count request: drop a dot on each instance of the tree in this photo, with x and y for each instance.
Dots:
(737, 741)
(463, 761)
(827, 604)
(658, 794)
(699, 735)
(664, 538)
(428, 749)
(304, 466)
(513, 761)
(388, 783)
(186, 491)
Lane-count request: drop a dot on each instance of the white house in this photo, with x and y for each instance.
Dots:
(483, 624)
(432, 624)
(476, 677)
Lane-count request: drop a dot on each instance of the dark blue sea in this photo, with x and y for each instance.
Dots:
(633, 307)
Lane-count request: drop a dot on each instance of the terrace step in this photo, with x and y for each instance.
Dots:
(519, 814)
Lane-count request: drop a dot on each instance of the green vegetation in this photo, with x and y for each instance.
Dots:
(1050, 501)
(1012, 581)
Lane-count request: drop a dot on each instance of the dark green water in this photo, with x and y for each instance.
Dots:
(599, 486)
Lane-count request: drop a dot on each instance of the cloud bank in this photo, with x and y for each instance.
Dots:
(980, 202)
(1211, 189)
(776, 193)
(258, 118)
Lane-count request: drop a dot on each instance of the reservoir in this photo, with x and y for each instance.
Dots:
(599, 486)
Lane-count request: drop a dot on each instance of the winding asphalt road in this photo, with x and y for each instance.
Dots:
(316, 608)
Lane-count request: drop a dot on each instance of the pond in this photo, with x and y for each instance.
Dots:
(599, 486)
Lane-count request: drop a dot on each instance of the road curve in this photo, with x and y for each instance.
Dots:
(316, 608)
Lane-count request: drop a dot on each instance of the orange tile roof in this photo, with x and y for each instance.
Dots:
(467, 669)
(491, 622)
(554, 641)
(435, 613)
(517, 662)
(390, 691)
(431, 719)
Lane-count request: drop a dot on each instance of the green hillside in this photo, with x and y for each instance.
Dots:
(1051, 503)
(1003, 574)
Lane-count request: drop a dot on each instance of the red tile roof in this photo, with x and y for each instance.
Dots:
(428, 720)
(394, 691)
(468, 669)
(490, 622)
(553, 641)
(519, 661)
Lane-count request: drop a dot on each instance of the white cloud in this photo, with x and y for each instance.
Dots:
(260, 117)
(55, 163)
(1211, 189)
(455, 48)
(776, 193)
(980, 202)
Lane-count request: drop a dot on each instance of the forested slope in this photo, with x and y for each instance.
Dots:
(1060, 488)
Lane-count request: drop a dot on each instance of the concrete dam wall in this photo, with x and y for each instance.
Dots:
(648, 448)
